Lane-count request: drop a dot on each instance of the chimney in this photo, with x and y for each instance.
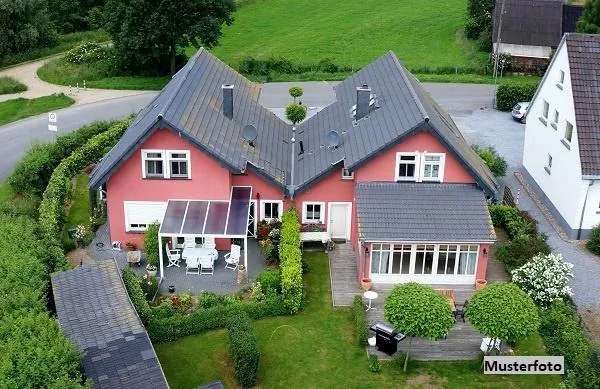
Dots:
(228, 100)
(363, 99)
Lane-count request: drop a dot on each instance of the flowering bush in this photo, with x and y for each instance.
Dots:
(312, 227)
(275, 233)
(545, 278)
(149, 286)
(86, 52)
(83, 234)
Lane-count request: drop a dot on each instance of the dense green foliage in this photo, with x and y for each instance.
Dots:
(243, 348)
(564, 335)
(33, 350)
(56, 195)
(25, 25)
(295, 113)
(33, 171)
(593, 244)
(10, 85)
(502, 310)
(360, 321)
(151, 244)
(21, 108)
(86, 52)
(479, 19)
(493, 160)
(510, 93)
(296, 92)
(161, 27)
(290, 257)
(270, 281)
(515, 221)
(590, 20)
(72, 15)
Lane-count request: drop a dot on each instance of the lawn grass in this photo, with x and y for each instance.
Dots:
(20, 108)
(317, 349)
(79, 212)
(65, 42)
(96, 75)
(351, 33)
(10, 85)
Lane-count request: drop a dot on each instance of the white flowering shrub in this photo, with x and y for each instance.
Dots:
(86, 52)
(545, 278)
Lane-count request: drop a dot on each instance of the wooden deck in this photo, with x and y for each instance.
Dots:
(343, 274)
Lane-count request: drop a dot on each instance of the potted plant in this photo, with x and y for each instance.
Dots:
(366, 283)
(480, 284)
(151, 270)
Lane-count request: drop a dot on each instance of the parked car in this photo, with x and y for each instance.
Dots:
(519, 111)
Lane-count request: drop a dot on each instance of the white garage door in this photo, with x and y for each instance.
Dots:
(140, 214)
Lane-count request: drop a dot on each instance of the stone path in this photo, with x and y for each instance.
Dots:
(27, 74)
(343, 274)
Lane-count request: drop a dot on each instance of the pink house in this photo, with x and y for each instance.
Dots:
(383, 167)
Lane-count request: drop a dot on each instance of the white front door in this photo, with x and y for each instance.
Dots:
(339, 220)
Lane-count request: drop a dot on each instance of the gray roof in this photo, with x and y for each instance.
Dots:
(192, 104)
(529, 22)
(424, 212)
(95, 312)
(584, 65)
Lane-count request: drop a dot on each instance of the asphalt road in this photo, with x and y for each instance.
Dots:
(17, 137)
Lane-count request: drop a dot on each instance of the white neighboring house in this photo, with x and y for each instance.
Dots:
(561, 154)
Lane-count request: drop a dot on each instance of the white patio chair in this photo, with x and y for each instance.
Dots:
(174, 256)
(189, 242)
(192, 266)
(232, 258)
(207, 268)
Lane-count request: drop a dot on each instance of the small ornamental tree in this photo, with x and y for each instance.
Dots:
(545, 278)
(296, 92)
(151, 244)
(295, 113)
(502, 310)
(418, 310)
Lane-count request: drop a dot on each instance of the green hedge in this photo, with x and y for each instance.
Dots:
(170, 328)
(564, 335)
(243, 348)
(56, 196)
(34, 353)
(151, 244)
(33, 171)
(360, 321)
(510, 93)
(593, 244)
(290, 257)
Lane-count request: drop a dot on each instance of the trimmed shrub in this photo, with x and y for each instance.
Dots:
(33, 171)
(56, 195)
(520, 250)
(243, 348)
(361, 329)
(86, 52)
(492, 159)
(291, 261)
(564, 335)
(593, 244)
(515, 221)
(374, 364)
(270, 281)
(151, 244)
(545, 278)
(510, 93)
(502, 310)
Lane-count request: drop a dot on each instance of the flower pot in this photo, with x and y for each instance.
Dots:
(152, 273)
(480, 284)
(366, 283)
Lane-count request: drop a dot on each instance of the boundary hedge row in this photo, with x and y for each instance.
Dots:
(243, 348)
(290, 257)
(167, 329)
(56, 196)
(510, 93)
(360, 321)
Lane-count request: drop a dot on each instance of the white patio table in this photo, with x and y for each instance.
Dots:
(206, 256)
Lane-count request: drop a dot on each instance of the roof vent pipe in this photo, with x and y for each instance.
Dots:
(228, 100)
(363, 99)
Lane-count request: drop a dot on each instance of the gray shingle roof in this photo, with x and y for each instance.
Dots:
(425, 212)
(584, 64)
(529, 22)
(192, 104)
(94, 311)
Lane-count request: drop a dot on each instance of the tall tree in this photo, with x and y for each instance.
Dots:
(590, 20)
(72, 15)
(24, 25)
(148, 33)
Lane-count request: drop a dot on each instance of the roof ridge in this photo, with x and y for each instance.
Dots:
(412, 91)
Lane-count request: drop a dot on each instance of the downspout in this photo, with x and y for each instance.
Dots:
(583, 210)
(291, 187)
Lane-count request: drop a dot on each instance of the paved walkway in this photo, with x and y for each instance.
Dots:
(343, 274)
(27, 74)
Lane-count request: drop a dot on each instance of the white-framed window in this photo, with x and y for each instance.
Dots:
(271, 209)
(433, 167)
(400, 262)
(446, 263)
(467, 259)
(568, 132)
(179, 164)
(347, 174)
(424, 254)
(153, 164)
(313, 212)
(140, 214)
(561, 77)
(546, 110)
(555, 119)
(380, 258)
(407, 166)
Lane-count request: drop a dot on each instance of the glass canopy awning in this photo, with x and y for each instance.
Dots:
(216, 218)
